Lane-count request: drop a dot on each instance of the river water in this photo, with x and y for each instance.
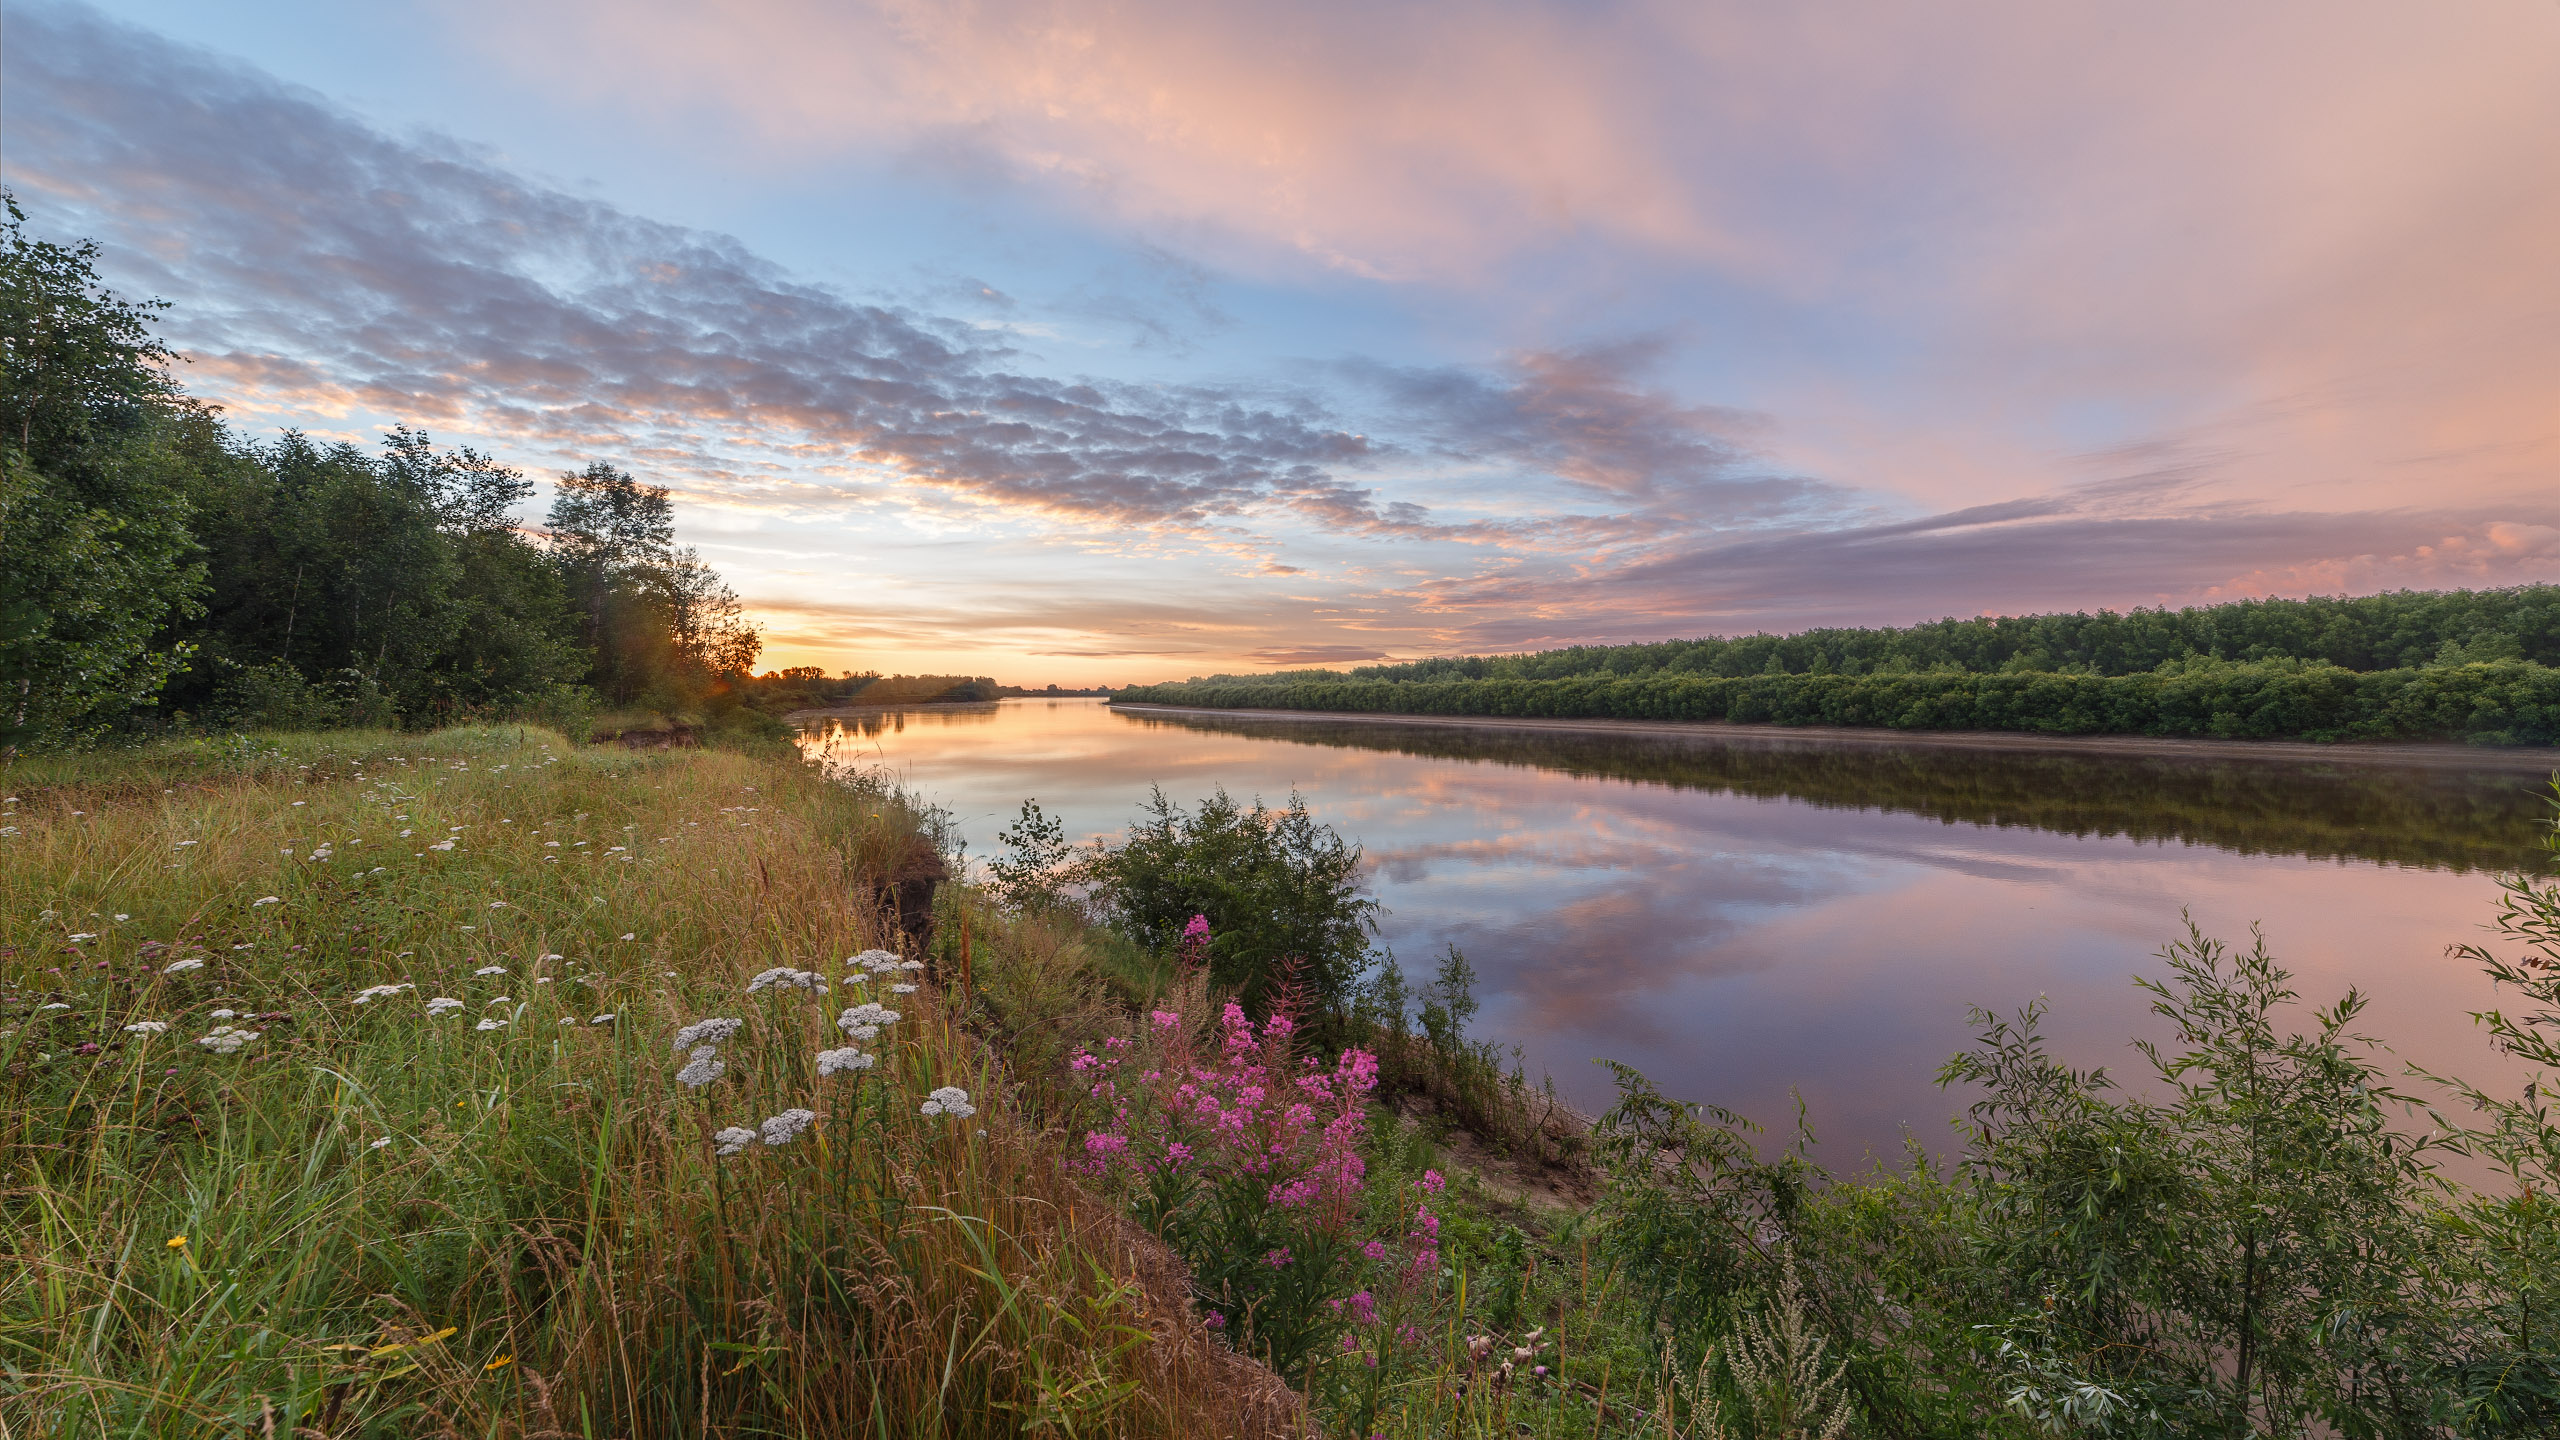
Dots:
(1749, 919)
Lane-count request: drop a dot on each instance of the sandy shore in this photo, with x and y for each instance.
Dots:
(2536, 759)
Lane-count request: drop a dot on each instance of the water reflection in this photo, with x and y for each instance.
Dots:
(1743, 919)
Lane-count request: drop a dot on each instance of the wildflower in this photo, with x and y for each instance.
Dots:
(371, 993)
(1432, 1184)
(181, 967)
(949, 1100)
(703, 1067)
(1278, 1259)
(707, 1033)
(784, 977)
(1375, 1249)
(177, 1242)
(441, 845)
(784, 1128)
(440, 1005)
(832, 1062)
(874, 960)
(1214, 1321)
(265, 900)
(1364, 1308)
(147, 1027)
(223, 1014)
(492, 1023)
(56, 1005)
(490, 970)
(863, 1021)
(501, 1000)
(604, 1019)
(734, 1139)
(902, 989)
(1165, 1019)
(227, 1040)
(630, 937)
(378, 1144)
(1103, 1144)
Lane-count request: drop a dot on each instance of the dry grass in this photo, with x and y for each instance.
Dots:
(546, 1245)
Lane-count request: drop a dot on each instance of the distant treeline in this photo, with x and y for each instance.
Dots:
(159, 569)
(2476, 665)
(806, 687)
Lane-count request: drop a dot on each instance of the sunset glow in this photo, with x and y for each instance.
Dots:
(1110, 344)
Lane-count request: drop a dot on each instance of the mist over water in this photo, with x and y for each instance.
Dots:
(1745, 917)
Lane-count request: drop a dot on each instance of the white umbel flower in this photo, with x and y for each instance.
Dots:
(147, 1027)
(491, 1024)
(784, 1128)
(702, 1068)
(490, 970)
(734, 1139)
(949, 1100)
(872, 960)
(443, 1005)
(714, 1033)
(371, 993)
(783, 976)
(225, 1040)
(836, 1062)
(863, 1021)
(181, 967)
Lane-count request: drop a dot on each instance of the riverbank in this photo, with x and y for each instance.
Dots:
(2533, 759)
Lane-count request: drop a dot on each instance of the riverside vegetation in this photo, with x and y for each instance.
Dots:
(2470, 665)
(472, 1082)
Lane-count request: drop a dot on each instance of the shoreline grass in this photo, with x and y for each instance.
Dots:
(508, 1218)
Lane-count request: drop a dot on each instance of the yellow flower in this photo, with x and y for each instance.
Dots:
(178, 1243)
(502, 1360)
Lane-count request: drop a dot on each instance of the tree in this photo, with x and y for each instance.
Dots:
(94, 548)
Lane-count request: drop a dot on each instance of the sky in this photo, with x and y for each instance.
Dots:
(1109, 343)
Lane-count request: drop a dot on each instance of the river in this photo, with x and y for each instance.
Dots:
(1751, 918)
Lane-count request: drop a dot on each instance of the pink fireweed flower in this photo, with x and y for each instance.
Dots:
(1432, 1184)
(1165, 1019)
(1102, 1145)
(1175, 1154)
(1375, 1249)
(1295, 1193)
(1278, 1259)
(1364, 1308)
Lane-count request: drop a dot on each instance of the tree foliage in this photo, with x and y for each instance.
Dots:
(156, 565)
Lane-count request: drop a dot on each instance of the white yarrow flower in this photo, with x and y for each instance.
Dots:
(949, 1100)
(378, 1144)
(265, 900)
(222, 1014)
(902, 989)
(784, 1128)
(835, 1062)
(226, 1040)
(181, 967)
(491, 1024)
(872, 960)
(782, 976)
(703, 1068)
(56, 1005)
(147, 1027)
(490, 970)
(443, 1005)
(707, 1033)
(371, 993)
(734, 1139)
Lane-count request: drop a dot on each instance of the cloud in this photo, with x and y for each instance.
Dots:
(326, 267)
(1318, 655)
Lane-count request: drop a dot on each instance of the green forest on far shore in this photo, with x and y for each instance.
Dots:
(2474, 665)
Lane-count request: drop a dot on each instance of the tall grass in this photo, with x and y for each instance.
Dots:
(372, 1220)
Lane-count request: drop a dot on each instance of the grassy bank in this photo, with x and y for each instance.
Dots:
(349, 1091)
(508, 1218)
